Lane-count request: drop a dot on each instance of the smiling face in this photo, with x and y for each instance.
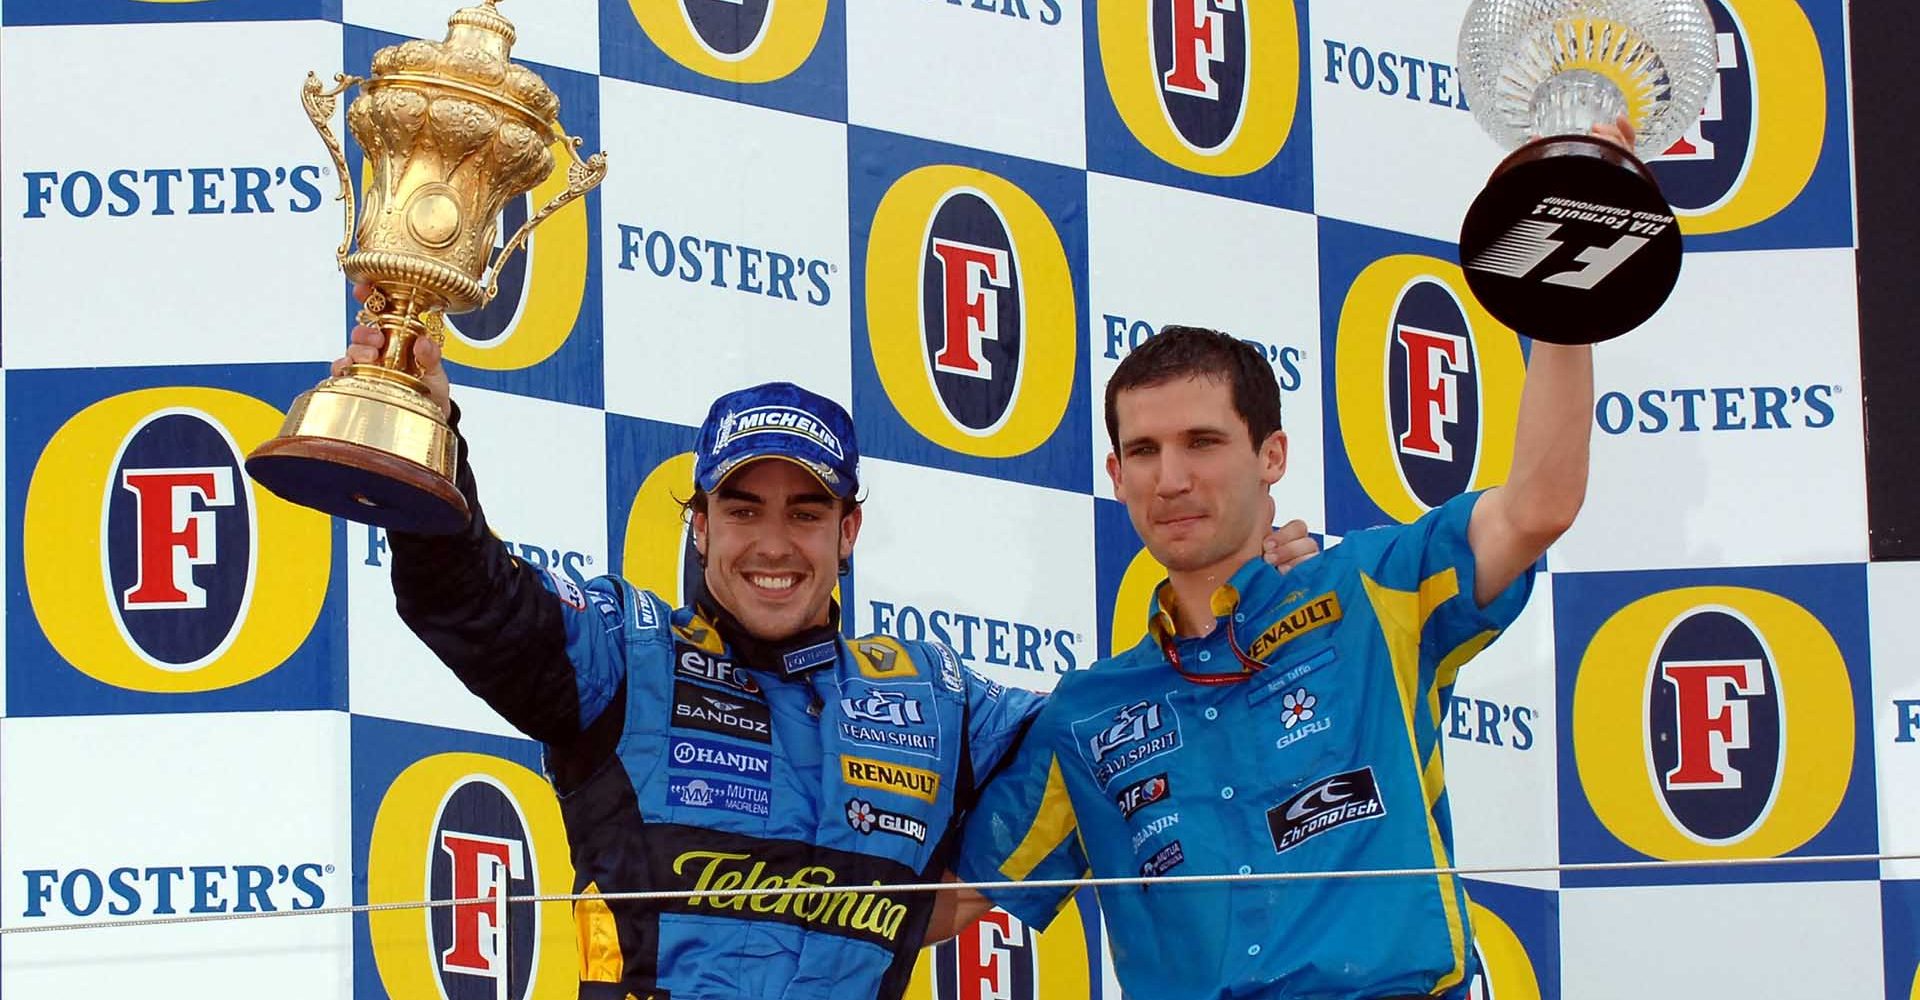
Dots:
(773, 538)
(1193, 482)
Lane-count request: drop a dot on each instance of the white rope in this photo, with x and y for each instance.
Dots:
(663, 895)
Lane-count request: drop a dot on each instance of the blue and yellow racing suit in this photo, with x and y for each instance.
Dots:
(688, 755)
(1327, 758)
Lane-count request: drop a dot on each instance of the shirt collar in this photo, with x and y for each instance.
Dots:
(1254, 582)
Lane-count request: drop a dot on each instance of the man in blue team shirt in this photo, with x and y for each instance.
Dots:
(1272, 723)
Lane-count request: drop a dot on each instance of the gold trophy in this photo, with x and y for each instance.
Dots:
(451, 131)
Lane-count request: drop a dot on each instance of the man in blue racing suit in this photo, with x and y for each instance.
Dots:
(738, 743)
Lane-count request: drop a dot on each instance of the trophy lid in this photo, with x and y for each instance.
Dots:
(482, 26)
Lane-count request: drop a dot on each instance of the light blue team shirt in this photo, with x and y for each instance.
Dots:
(1328, 759)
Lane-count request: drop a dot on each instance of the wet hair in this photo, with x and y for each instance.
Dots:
(1189, 351)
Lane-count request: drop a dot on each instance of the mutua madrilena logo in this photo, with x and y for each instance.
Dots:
(164, 569)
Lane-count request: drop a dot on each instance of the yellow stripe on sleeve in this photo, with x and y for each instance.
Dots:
(1052, 825)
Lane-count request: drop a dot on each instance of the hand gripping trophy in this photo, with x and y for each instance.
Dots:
(1571, 241)
(452, 130)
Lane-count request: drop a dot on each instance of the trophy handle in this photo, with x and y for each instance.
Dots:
(582, 176)
(320, 104)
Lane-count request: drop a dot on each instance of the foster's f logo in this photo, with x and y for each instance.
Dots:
(1711, 714)
(483, 870)
(175, 533)
(972, 278)
(1435, 362)
(1199, 43)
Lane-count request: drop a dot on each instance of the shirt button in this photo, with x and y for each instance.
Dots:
(1253, 949)
(1227, 792)
(1205, 656)
(1212, 714)
(1239, 617)
(1246, 869)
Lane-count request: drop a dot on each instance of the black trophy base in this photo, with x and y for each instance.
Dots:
(1571, 242)
(359, 483)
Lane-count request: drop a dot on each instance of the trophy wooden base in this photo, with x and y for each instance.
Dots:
(366, 448)
(1571, 242)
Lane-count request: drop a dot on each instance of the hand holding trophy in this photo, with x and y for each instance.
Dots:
(452, 130)
(1571, 241)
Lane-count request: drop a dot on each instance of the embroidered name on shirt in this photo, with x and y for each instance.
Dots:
(1322, 610)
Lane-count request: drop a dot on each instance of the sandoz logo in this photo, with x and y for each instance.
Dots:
(83, 194)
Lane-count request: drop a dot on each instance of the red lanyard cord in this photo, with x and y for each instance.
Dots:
(1248, 665)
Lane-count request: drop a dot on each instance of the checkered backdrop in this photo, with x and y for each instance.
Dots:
(211, 708)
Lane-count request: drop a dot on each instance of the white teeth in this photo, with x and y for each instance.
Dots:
(772, 582)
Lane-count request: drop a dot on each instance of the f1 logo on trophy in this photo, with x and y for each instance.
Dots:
(1571, 241)
(451, 130)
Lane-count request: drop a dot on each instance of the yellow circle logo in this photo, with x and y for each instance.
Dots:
(1713, 722)
(658, 543)
(1506, 971)
(971, 313)
(739, 41)
(470, 826)
(1771, 103)
(1207, 86)
(153, 563)
(1426, 383)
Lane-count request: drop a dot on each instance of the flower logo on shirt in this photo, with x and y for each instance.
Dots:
(1297, 707)
(860, 816)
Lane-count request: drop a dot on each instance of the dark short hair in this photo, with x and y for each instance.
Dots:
(1191, 351)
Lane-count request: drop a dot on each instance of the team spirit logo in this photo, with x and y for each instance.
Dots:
(470, 827)
(971, 311)
(1759, 138)
(738, 41)
(1713, 722)
(1427, 385)
(1000, 958)
(163, 569)
(1506, 970)
(1125, 736)
(1209, 86)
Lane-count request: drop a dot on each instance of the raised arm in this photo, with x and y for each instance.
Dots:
(1513, 524)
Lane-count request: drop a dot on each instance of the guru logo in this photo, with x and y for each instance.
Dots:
(1759, 138)
(1427, 386)
(469, 827)
(1745, 720)
(163, 569)
(1209, 86)
(739, 41)
(971, 311)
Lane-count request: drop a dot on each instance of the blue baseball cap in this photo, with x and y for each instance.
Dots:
(778, 420)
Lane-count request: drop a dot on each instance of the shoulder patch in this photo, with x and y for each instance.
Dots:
(568, 591)
(949, 668)
(696, 632)
(882, 657)
(1321, 610)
